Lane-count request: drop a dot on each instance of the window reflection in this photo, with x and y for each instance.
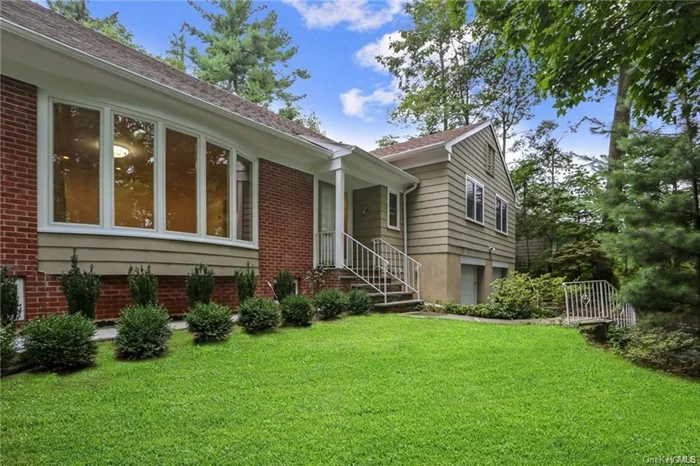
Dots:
(217, 191)
(244, 199)
(180, 182)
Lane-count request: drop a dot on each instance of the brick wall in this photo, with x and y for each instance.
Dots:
(286, 200)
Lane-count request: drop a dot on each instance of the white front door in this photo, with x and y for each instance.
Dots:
(467, 293)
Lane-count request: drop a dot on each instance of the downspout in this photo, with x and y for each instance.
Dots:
(405, 216)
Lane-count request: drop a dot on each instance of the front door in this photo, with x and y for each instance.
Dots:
(467, 292)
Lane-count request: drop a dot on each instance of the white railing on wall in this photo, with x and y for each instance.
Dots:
(366, 264)
(597, 299)
(401, 266)
(325, 243)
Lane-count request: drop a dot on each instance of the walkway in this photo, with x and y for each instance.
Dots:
(435, 315)
(110, 332)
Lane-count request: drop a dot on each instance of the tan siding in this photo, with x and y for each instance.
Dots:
(112, 255)
(374, 222)
(428, 210)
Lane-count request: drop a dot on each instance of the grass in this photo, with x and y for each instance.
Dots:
(379, 389)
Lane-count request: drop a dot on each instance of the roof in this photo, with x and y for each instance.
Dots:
(40, 20)
(429, 140)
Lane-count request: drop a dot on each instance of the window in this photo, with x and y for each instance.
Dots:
(393, 210)
(475, 201)
(244, 193)
(491, 161)
(112, 171)
(133, 173)
(76, 164)
(501, 215)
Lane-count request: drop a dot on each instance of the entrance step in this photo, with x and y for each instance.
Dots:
(392, 296)
(390, 287)
(398, 306)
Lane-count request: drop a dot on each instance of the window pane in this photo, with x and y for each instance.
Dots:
(504, 221)
(76, 164)
(180, 182)
(470, 199)
(393, 210)
(217, 191)
(479, 204)
(244, 199)
(498, 215)
(133, 172)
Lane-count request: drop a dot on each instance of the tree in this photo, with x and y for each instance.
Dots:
(388, 140)
(78, 10)
(245, 55)
(657, 215)
(309, 121)
(176, 55)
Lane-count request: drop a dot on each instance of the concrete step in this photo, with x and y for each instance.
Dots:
(390, 287)
(391, 296)
(398, 306)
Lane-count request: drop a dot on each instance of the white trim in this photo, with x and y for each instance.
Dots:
(20, 283)
(471, 261)
(466, 199)
(500, 265)
(495, 205)
(315, 220)
(397, 227)
(397, 155)
(463, 136)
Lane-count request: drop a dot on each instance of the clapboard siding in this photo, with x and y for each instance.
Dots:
(428, 210)
(112, 255)
(371, 214)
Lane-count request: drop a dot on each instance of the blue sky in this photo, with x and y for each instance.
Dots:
(347, 89)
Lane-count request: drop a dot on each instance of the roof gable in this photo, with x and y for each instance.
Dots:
(425, 141)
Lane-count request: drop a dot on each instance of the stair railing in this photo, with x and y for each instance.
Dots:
(597, 299)
(401, 266)
(369, 266)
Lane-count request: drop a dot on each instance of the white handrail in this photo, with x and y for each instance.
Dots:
(326, 248)
(366, 264)
(401, 266)
(597, 299)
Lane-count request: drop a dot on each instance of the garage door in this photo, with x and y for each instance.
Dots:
(467, 293)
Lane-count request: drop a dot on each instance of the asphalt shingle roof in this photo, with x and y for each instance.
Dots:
(43, 21)
(428, 140)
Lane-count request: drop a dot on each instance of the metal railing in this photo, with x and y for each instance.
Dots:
(366, 264)
(597, 299)
(325, 242)
(400, 265)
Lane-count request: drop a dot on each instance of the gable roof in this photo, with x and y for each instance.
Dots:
(429, 140)
(29, 15)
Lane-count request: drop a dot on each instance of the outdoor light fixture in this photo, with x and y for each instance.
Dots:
(120, 152)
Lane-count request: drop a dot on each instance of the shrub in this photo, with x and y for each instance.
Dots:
(210, 322)
(245, 283)
(359, 302)
(258, 315)
(143, 285)
(523, 295)
(284, 285)
(60, 342)
(8, 350)
(9, 298)
(297, 310)
(315, 279)
(142, 332)
(81, 288)
(330, 303)
(199, 285)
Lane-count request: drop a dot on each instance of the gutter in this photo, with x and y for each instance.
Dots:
(104, 65)
(405, 215)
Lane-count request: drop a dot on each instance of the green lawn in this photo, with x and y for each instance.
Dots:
(380, 389)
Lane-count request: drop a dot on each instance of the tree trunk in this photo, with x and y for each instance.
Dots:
(503, 137)
(622, 116)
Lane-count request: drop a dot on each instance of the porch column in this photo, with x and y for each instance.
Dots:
(339, 217)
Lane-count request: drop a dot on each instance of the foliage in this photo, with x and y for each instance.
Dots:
(210, 322)
(199, 285)
(10, 308)
(388, 140)
(297, 310)
(143, 332)
(315, 279)
(494, 311)
(524, 295)
(8, 350)
(81, 288)
(246, 281)
(176, 55)
(258, 315)
(330, 303)
(308, 121)
(143, 285)
(59, 342)
(581, 260)
(656, 215)
(359, 302)
(245, 54)
(285, 285)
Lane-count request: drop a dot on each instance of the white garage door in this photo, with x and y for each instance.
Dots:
(467, 293)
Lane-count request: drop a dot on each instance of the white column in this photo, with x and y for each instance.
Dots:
(339, 217)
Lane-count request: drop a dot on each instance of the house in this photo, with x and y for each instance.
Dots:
(113, 153)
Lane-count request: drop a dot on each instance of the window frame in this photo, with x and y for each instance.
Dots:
(503, 203)
(396, 227)
(45, 120)
(466, 199)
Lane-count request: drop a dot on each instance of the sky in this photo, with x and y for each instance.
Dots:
(348, 90)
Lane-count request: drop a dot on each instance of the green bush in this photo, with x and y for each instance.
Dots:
(523, 295)
(8, 350)
(143, 332)
(258, 315)
(297, 310)
(246, 281)
(143, 285)
(284, 285)
(81, 288)
(60, 342)
(199, 285)
(210, 322)
(9, 298)
(359, 302)
(330, 303)
(493, 311)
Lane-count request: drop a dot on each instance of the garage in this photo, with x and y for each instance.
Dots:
(468, 286)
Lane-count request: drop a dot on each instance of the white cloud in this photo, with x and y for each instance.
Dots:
(360, 15)
(358, 105)
(366, 56)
